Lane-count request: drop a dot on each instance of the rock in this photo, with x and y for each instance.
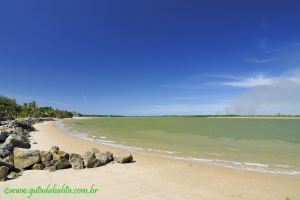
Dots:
(87, 154)
(9, 159)
(61, 159)
(94, 150)
(76, 161)
(20, 131)
(3, 123)
(46, 158)
(24, 158)
(7, 130)
(3, 162)
(50, 168)
(14, 141)
(3, 173)
(38, 166)
(110, 155)
(24, 124)
(54, 149)
(124, 158)
(104, 158)
(6, 151)
(58, 155)
(13, 175)
(2, 137)
(90, 160)
(64, 163)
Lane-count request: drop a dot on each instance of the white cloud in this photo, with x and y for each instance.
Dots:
(255, 81)
(263, 94)
(268, 95)
(259, 61)
(291, 78)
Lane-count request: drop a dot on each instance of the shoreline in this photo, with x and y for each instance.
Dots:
(208, 117)
(150, 177)
(256, 167)
(254, 117)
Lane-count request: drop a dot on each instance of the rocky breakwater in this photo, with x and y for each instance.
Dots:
(16, 155)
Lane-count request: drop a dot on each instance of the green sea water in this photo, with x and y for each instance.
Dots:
(268, 145)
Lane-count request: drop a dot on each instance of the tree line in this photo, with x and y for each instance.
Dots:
(10, 109)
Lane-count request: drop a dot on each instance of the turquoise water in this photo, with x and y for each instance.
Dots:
(269, 145)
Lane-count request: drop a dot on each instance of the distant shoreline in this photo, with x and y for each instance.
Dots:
(215, 117)
(256, 117)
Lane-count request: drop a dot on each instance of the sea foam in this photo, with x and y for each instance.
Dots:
(248, 166)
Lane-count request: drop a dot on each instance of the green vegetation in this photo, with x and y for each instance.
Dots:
(9, 109)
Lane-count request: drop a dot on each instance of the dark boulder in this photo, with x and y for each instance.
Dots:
(104, 158)
(9, 165)
(124, 158)
(3, 173)
(76, 161)
(63, 163)
(46, 158)
(90, 160)
(3, 137)
(58, 155)
(24, 124)
(16, 140)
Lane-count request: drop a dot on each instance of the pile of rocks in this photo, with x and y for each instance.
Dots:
(54, 159)
(14, 134)
(16, 155)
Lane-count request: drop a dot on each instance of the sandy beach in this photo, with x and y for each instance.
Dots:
(150, 177)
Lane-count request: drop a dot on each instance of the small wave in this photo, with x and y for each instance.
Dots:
(256, 164)
(80, 134)
(237, 165)
(284, 166)
(105, 141)
(198, 159)
(170, 152)
(212, 153)
(232, 149)
(160, 151)
(249, 166)
(275, 171)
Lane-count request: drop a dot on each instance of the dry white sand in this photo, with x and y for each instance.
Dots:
(150, 177)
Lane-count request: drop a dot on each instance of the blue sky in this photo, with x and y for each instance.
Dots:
(153, 57)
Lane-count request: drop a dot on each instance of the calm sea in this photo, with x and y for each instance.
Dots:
(266, 145)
